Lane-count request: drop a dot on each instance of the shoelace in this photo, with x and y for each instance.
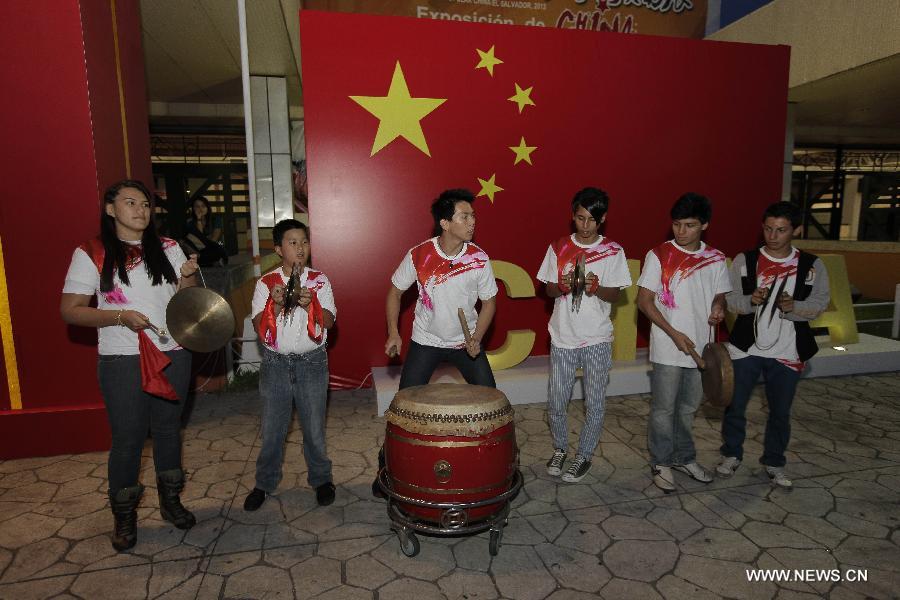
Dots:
(557, 459)
(576, 464)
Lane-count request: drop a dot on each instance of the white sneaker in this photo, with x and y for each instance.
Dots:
(728, 465)
(776, 474)
(663, 478)
(695, 471)
(556, 462)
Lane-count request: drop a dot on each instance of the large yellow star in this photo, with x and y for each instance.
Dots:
(488, 60)
(489, 188)
(399, 114)
(522, 97)
(523, 152)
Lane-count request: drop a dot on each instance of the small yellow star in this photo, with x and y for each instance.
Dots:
(523, 152)
(522, 97)
(399, 114)
(489, 188)
(488, 60)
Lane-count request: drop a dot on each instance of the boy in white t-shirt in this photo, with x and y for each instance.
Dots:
(581, 338)
(450, 273)
(294, 369)
(682, 291)
(771, 336)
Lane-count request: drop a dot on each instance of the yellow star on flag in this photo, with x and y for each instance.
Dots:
(522, 97)
(489, 188)
(523, 152)
(399, 114)
(488, 60)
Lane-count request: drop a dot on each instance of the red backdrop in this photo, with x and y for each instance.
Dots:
(63, 126)
(645, 118)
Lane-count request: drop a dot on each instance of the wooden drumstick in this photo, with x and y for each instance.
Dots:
(465, 325)
(697, 359)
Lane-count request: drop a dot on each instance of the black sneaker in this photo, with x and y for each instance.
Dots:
(577, 470)
(556, 462)
(254, 499)
(325, 494)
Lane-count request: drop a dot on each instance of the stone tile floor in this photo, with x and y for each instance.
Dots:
(614, 535)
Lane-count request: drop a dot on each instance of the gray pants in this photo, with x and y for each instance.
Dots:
(677, 392)
(132, 412)
(595, 362)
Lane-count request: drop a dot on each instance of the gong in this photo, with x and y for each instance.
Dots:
(716, 373)
(199, 319)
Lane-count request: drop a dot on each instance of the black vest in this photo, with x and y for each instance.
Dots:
(742, 335)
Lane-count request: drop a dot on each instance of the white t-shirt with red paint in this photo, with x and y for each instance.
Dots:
(139, 295)
(775, 338)
(591, 324)
(685, 284)
(292, 336)
(445, 284)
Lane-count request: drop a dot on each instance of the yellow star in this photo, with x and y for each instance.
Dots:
(523, 152)
(488, 60)
(489, 188)
(522, 97)
(399, 114)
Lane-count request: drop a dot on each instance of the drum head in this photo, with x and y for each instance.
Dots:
(717, 376)
(450, 409)
(199, 319)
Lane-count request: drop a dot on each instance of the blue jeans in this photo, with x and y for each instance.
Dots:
(286, 381)
(422, 360)
(677, 392)
(132, 412)
(595, 362)
(781, 383)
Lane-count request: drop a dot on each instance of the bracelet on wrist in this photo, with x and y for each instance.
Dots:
(119, 318)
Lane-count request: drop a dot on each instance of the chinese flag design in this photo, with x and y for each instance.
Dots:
(399, 109)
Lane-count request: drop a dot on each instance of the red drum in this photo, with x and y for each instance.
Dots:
(450, 443)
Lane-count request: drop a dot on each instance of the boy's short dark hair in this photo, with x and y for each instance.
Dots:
(787, 210)
(445, 205)
(594, 200)
(282, 227)
(692, 206)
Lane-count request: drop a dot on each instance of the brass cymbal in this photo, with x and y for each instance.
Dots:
(717, 375)
(200, 319)
(578, 283)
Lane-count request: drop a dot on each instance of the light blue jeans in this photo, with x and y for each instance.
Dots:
(286, 381)
(677, 392)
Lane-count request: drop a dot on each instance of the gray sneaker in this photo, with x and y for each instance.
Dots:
(663, 478)
(728, 465)
(776, 474)
(556, 462)
(695, 471)
(577, 470)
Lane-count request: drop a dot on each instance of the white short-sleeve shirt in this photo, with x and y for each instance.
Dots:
(591, 324)
(292, 336)
(445, 284)
(685, 284)
(139, 295)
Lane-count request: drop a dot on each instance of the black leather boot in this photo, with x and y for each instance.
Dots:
(124, 503)
(169, 485)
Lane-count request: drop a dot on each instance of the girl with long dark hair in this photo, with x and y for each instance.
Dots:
(133, 273)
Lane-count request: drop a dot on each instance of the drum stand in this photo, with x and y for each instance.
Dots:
(454, 518)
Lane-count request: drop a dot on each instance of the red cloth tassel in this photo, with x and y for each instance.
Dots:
(268, 325)
(315, 322)
(153, 362)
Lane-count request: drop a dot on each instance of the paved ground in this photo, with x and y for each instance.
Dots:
(612, 536)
